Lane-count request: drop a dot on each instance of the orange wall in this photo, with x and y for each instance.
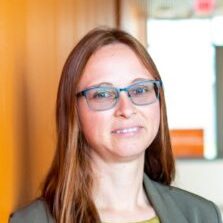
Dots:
(133, 18)
(11, 39)
(35, 38)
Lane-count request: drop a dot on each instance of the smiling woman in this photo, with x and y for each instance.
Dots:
(113, 134)
(113, 161)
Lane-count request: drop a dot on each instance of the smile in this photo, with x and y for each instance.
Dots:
(127, 130)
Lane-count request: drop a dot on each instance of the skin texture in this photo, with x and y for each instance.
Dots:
(118, 159)
(118, 65)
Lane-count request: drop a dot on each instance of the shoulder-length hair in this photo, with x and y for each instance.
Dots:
(67, 187)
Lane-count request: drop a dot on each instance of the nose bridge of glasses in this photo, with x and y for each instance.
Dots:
(125, 90)
(125, 100)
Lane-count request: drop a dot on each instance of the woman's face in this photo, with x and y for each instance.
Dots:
(123, 132)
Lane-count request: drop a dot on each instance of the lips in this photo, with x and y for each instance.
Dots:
(129, 130)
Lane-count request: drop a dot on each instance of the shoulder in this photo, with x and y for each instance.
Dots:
(35, 212)
(189, 203)
(173, 203)
(183, 196)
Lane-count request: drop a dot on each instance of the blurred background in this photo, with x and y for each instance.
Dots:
(185, 38)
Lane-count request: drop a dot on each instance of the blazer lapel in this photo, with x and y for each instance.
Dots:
(165, 207)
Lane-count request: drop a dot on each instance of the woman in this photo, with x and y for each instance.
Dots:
(114, 161)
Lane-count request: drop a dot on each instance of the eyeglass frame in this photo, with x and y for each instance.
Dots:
(158, 84)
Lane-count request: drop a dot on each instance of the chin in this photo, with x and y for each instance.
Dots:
(129, 154)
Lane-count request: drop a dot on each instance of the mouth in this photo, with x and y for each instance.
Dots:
(127, 131)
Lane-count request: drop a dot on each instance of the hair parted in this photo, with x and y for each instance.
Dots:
(67, 187)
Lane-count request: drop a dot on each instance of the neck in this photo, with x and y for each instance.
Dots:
(119, 186)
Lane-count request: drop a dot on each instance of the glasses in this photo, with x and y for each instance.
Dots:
(102, 98)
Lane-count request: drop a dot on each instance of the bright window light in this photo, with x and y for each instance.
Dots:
(184, 54)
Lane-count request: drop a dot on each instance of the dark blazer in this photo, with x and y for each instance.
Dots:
(171, 204)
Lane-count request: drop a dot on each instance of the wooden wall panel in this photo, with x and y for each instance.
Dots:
(76, 17)
(46, 38)
(133, 19)
(11, 63)
(36, 37)
(41, 81)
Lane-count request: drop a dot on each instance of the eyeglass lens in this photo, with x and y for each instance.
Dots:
(103, 98)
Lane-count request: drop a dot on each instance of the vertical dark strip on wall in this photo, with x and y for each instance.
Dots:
(219, 101)
(117, 12)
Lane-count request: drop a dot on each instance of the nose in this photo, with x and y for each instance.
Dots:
(124, 107)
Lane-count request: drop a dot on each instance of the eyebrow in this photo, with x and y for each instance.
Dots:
(102, 84)
(140, 79)
(110, 84)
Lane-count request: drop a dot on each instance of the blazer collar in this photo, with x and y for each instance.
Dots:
(165, 207)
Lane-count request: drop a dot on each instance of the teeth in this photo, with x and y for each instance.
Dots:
(122, 131)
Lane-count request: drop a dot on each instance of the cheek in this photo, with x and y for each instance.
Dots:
(93, 124)
(156, 120)
(153, 118)
(156, 114)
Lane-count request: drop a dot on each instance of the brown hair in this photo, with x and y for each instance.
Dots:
(67, 188)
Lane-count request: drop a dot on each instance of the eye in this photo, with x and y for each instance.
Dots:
(103, 94)
(140, 90)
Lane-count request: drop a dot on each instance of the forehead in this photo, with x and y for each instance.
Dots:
(115, 63)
